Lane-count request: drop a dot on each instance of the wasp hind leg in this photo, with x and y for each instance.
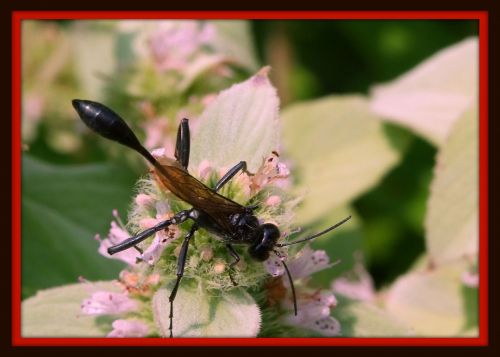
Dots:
(182, 146)
(181, 263)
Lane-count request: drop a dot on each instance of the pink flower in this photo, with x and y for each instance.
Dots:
(270, 171)
(314, 313)
(305, 263)
(128, 328)
(157, 130)
(154, 251)
(161, 238)
(144, 200)
(360, 288)
(173, 44)
(327, 326)
(108, 303)
(470, 279)
(273, 200)
(308, 262)
(117, 234)
(274, 266)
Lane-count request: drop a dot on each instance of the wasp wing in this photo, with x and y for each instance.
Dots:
(177, 180)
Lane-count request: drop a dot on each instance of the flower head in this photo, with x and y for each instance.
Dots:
(210, 266)
(172, 44)
(108, 303)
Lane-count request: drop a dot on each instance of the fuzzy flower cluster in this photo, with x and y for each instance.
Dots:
(250, 110)
(155, 260)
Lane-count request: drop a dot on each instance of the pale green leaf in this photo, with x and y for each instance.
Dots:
(63, 207)
(452, 216)
(362, 319)
(338, 150)
(199, 66)
(430, 302)
(56, 313)
(431, 97)
(94, 56)
(240, 124)
(233, 39)
(198, 313)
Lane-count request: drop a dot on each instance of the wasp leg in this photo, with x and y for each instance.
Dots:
(183, 143)
(132, 241)
(232, 265)
(240, 166)
(181, 262)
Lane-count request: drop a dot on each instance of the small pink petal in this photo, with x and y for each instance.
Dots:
(274, 266)
(273, 201)
(158, 153)
(308, 262)
(148, 222)
(314, 313)
(361, 288)
(108, 303)
(128, 328)
(154, 251)
(115, 236)
(470, 279)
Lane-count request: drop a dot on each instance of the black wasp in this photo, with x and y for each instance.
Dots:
(229, 221)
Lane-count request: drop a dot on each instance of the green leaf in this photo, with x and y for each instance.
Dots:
(433, 95)
(199, 313)
(431, 302)
(452, 216)
(240, 124)
(362, 319)
(233, 39)
(341, 245)
(338, 149)
(56, 313)
(63, 207)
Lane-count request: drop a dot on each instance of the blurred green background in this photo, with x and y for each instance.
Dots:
(310, 59)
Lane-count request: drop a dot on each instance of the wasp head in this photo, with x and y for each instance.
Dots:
(266, 237)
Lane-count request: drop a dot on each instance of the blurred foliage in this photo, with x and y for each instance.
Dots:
(326, 57)
(309, 59)
(349, 56)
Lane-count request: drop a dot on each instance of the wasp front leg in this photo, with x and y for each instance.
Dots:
(236, 257)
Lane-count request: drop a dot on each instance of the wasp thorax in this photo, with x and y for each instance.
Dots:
(266, 237)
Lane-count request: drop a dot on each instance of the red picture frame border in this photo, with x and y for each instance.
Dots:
(481, 16)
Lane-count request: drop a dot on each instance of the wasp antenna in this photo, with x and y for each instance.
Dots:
(317, 234)
(292, 287)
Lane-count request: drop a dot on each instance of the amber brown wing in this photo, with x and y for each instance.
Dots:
(189, 189)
